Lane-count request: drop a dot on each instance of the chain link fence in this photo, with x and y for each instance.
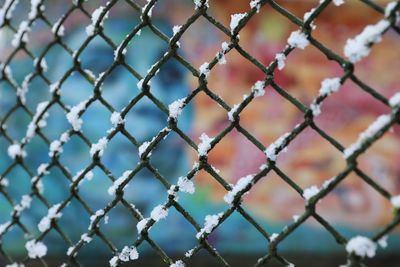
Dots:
(356, 48)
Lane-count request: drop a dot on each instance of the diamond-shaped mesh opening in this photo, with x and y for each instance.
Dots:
(103, 104)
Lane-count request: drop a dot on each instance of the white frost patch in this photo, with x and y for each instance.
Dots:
(6, 10)
(86, 238)
(158, 213)
(21, 36)
(4, 226)
(389, 8)
(328, 86)
(99, 147)
(273, 237)
(338, 2)
(204, 69)
(143, 148)
(95, 19)
(36, 121)
(178, 263)
(113, 262)
(42, 64)
(394, 101)
(232, 111)
(211, 221)
(235, 20)
(258, 88)
(310, 192)
(189, 253)
(360, 46)
(205, 144)
(225, 47)
(296, 218)
(128, 253)
(272, 150)
(15, 150)
(374, 128)
(58, 29)
(255, 4)
(395, 202)
(73, 116)
(175, 108)
(140, 84)
(36, 6)
(55, 148)
(94, 217)
(186, 185)
(141, 225)
(361, 246)
(176, 29)
(3, 182)
(221, 58)
(298, 39)
(280, 59)
(118, 52)
(15, 264)
(198, 4)
(241, 184)
(42, 169)
(112, 189)
(52, 214)
(116, 119)
(36, 249)
(315, 108)
(307, 16)
(382, 242)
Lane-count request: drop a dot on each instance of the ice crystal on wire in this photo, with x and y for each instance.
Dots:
(175, 108)
(116, 119)
(15, 150)
(52, 214)
(394, 101)
(361, 246)
(21, 36)
(95, 19)
(73, 116)
(178, 263)
(186, 185)
(205, 144)
(272, 150)
(211, 221)
(235, 20)
(36, 121)
(204, 69)
(395, 201)
(280, 59)
(298, 39)
(255, 4)
(159, 212)
(373, 129)
(128, 253)
(36, 249)
(310, 192)
(6, 10)
(113, 188)
(241, 184)
(232, 111)
(360, 46)
(99, 147)
(198, 3)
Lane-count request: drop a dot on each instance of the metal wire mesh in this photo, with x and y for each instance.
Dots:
(16, 148)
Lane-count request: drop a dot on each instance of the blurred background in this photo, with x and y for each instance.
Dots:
(353, 208)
